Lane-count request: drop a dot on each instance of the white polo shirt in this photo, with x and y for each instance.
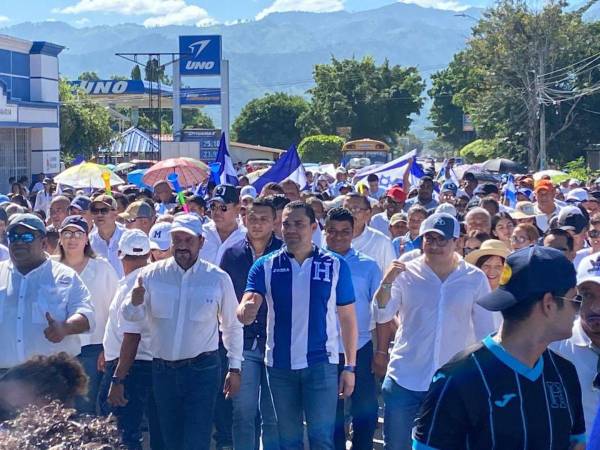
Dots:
(108, 250)
(580, 351)
(439, 319)
(184, 310)
(213, 248)
(381, 223)
(117, 325)
(376, 245)
(24, 301)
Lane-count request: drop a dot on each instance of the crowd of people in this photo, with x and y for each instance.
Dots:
(281, 317)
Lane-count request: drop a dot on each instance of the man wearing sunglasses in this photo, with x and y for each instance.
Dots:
(105, 237)
(224, 231)
(509, 391)
(43, 304)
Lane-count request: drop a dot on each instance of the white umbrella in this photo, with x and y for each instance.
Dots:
(549, 172)
(87, 175)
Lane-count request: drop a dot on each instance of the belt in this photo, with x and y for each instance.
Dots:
(184, 362)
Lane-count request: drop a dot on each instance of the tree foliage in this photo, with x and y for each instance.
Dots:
(88, 76)
(136, 73)
(84, 125)
(271, 120)
(376, 101)
(321, 149)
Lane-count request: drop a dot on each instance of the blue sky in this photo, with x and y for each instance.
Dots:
(179, 12)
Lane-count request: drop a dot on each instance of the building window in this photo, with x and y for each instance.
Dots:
(15, 155)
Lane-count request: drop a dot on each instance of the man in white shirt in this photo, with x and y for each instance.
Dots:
(393, 203)
(435, 300)
(224, 231)
(106, 234)
(367, 240)
(44, 197)
(127, 379)
(583, 347)
(545, 207)
(185, 301)
(478, 219)
(44, 304)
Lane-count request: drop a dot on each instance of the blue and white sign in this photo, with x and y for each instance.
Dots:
(105, 87)
(201, 96)
(203, 55)
(208, 140)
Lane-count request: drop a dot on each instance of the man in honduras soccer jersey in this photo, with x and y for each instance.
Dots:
(510, 391)
(304, 287)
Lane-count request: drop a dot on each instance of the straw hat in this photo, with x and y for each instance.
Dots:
(523, 210)
(491, 247)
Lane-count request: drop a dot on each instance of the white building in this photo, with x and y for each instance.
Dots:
(29, 109)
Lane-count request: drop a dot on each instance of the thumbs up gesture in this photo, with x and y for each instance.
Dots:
(55, 331)
(250, 305)
(138, 292)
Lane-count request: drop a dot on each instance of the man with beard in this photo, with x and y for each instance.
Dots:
(185, 301)
(424, 195)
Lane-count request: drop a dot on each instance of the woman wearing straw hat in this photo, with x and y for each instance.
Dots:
(490, 258)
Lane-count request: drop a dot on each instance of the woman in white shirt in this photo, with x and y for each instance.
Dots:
(102, 282)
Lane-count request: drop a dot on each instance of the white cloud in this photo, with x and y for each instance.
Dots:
(161, 12)
(302, 5)
(449, 5)
(4, 19)
(82, 22)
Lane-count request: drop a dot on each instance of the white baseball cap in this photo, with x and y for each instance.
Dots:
(188, 223)
(248, 190)
(134, 243)
(160, 236)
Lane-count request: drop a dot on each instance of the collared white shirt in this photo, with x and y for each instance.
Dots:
(42, 201)
(116, 325)
(101, 280)
(542, 219)
(439, 319)
(108, 250)
(213, 248)
(381, 223)
(580, 256)
(579, 350)
(4, 253)
(24, 301)
(185, 308)
(376, 245)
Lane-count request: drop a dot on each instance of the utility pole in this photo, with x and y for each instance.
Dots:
(542, 111)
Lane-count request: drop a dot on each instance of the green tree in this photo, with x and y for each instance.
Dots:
(271, 120)
(194, 118)
(154, 71)
(321, 148)
(376, 101)
(84, 125)
(118, 77)
(88, 76)
(136, 73)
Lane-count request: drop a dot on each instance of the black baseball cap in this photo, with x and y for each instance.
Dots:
(572, 218)
(226, 193)
(528, 274)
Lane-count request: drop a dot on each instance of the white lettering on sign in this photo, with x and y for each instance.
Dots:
(102, 87)
(200, 65)
(8, 113)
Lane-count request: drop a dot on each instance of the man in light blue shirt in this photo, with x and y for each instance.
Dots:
(366, 277)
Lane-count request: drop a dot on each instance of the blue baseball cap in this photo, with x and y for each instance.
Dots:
(76, 222)
(443, 224)
(528, 274)
(27, 220)
(81, 202)
(449, 186)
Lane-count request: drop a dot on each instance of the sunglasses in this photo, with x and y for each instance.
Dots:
(216, 206)
(103, 211)
(27, 237)
(518, 239)
(577, 300)
(72, 234)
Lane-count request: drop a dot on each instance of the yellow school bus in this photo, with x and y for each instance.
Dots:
(376, 151)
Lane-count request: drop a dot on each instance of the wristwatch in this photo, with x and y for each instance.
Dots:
(238, 371)
(350, 369)
(117, 380)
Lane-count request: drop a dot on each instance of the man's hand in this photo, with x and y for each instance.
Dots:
(101, 362)
(393, 270)
(346, 386)
(55, 331)
(250, 308)
(116, 395)
(380, 363)
(232, 384)
(138, 292)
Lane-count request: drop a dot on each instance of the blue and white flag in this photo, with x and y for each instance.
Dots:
(392, 172)
(226, 173)
(510, 191)
(452, 174)
(288, 167)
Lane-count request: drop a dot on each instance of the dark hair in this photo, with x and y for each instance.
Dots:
(341, 215)
(417, 209)
(595, 219)
(530, 230)
(308, 211)
(264, 202)
(278, 201)
(364, 199)
(479, 235)
(197, 200)
(496, 218)
(557, 232)
(490, 202)
(426, 179)
(483, 259)
(372, 177)
(120, 198)
(272, 186)
(87, 250)
(522, 310)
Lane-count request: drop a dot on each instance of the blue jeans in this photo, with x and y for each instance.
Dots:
(401, 407)
(310, 394)
(89, 360)
(185, 394)
(223, 407)
(246, 406)
(363, 404)
(138, 385)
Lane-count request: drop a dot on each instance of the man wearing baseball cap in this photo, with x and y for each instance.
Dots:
(160, 241)
(448, 192)
(44, 304)
(510, 391)
(393, 203)
(434, 296)
(105, 236)
(185, 301)
(575, 220)
(545, 206)
(139, 215)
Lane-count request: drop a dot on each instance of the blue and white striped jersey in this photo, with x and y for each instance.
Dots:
(301, 302)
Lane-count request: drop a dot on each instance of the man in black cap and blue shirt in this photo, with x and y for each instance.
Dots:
(434, 297)
(509, 391)
(43, 303)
